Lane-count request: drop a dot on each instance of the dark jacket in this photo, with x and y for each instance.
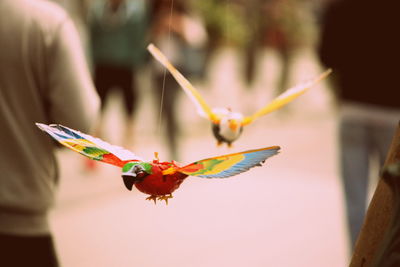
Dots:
(359, 43)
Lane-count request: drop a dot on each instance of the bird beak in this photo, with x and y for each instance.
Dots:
(233, 125)
(130, 180)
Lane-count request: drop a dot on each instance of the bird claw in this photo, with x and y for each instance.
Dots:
(152, 197)
(163, 197)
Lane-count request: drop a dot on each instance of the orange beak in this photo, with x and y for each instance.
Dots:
(233, 125)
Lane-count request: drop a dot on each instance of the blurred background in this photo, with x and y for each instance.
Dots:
(290, 212)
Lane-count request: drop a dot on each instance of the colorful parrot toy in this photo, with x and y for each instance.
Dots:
(227, 125)
(155, 178)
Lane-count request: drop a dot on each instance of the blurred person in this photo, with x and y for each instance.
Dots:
(358, 43)
(286, 28)
(117, 34)
(225, 25)
(180, 36)
(43, 78)
(255, 21)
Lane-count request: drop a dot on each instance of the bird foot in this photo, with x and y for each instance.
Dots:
(152, 197)
(163, 197)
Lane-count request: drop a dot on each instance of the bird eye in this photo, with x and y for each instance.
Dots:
(140, 172)
(137, 168)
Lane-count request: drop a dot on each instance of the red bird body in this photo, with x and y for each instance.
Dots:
(157, 184)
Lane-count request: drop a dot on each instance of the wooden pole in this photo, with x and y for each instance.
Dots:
(377, 232)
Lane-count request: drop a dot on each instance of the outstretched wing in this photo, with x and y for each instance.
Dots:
(93, 148)
(202, 107)
(286, 97)
(229, 165)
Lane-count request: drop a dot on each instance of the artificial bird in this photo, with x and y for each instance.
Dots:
(227, 125)
(155, 178)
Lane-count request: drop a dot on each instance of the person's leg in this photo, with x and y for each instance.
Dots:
(102, 78)
(23, 251)
(285, 56)
(127, 82)
(103, 81)
(383, 133)
(171, 123)
(354, 154)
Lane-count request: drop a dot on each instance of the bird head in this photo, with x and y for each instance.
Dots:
(135, 172)
(234, 120)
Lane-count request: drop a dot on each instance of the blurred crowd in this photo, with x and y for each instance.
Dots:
(115, 34)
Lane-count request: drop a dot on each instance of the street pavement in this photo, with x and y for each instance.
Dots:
(289, 212)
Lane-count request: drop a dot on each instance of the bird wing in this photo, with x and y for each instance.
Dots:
(229, 165)
(93, 148)
(203, 108)
(286, 97)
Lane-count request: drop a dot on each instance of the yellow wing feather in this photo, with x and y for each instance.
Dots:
(286, 97)
(229, 165)
(202, 107)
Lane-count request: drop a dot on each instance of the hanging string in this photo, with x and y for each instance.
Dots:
(165, 71)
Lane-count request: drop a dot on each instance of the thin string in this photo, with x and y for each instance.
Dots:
(165, 72)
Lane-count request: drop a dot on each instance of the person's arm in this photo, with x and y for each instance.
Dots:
(72, 96)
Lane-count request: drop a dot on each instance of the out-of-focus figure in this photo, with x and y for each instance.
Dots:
(43, 78)
(181, 35)
(281, 34)
(359, 43)
(225, 24)
(286, 27)
(117, 35)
